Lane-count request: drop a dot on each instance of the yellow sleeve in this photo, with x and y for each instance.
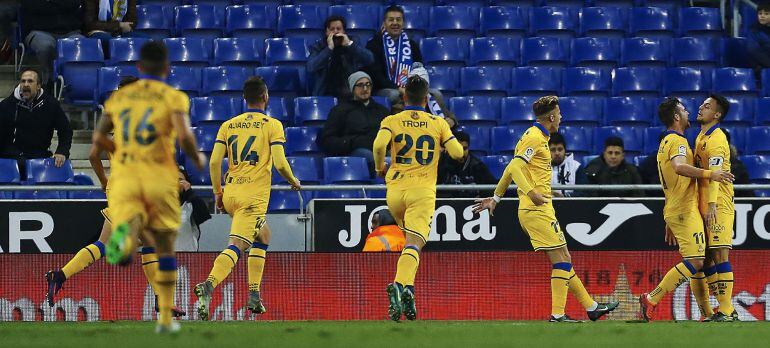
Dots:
(215, 163)
(179, 102)
(380, 146)
(717, 156)
(677, 148)
(505, 181)
(277, 139)
(277, 135)
(449, 142)
(526, 148)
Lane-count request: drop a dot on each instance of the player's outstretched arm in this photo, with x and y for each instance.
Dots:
(101, 137)
(490, 203)
(379, 149)
(282, 165)
(215, 167)
(186, 138)
(94, 156)
(680, 166)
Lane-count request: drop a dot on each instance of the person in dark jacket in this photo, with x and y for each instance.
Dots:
(759, 38)
(333, 58)
(45, 21)
(103, 20)
(469, 170)
(28, 118)
(352, 125)
(391, 67)
(611, 168)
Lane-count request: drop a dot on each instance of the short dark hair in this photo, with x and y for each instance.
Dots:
(462, 136)
(386, 218)
(334, 18)
(763, 6)
(613, 141)
(153, 57)
(416, 90)
(393, 8)
(667, 109)
(127, 80)
(544, 105)
(557, 139)
(37, 73)
(254, 89)
(723, 103)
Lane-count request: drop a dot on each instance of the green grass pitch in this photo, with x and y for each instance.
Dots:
(388, 334)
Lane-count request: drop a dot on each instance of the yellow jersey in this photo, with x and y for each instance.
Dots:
(533, 149)
(144, 134)
(415, 141)
(248, 138)
(712, 151)
(681, 192)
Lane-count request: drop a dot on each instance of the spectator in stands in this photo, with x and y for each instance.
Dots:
(436, 104)
(8, 11)
(44, 22)
(759, 38)
(105, 19)
(334, 57)
(611, 168)
(738, 169)
(352, 125)
(468, 171)
(564, 166)
(194, 213)
(385, 235)
(391, 67)
(28, 118)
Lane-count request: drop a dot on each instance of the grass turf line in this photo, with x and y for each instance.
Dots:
(386, 334)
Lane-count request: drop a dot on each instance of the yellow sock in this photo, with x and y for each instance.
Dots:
(84, 258)
(407, 266)
(725, 288)
(675, 277)
(224, 264)
(559, 286)
(577, 289)
(257, 256)
(711, 278)
(150, 266)
(699, 288)
(165, 280)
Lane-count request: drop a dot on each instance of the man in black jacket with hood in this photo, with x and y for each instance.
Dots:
(611, 168)
(28, 118)
(469, 170)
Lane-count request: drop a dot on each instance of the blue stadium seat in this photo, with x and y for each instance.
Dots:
(544, 51)
(630, 110)
(525, 4)
(738, 136)
(454, 21)
(108, 79)
(250, 21)
(638, 160)
(692, 52)
(346, 170)
(306, 169)
(587, 82)
(623, 4)
(224, 81)
(476, 110)
(480, 139)
(536, 81)
(9, 171)
(686, 82)
(301, 21)
(652, 139)
(185, 79)
(360, 20)
(125, 51)
(491, 81)
(650, 22)
(313, 111)
(340, 194)
(469, 3)
(645, 52)
(504, 138)
(236, 52)
(758, 168)
(199, 21)
(517, 111)
(762, 112)
(571, 4)
(741, 112)
(735, 52)
(202, 177)
(213, 110)
(206, 135)
(286, 51)
(78, 61)
(579, 139)
(559, 22)
(600, 53)
(189, 52)
(746, 11)
(495, 51)
(384, 101)
(499, 21)
(587, 159)
(445, 79)
(496, 164)
(282, 81)
(700, 22)
(633, 138)
(605, 22)
(416, 21)
(641, 82)
(734, 81)
(301, 141)
(444, 52)
(765, 77)
(581, 111)
(154, 21)
(285, 201)
(277, 109)
(82, 179)
(44, 172)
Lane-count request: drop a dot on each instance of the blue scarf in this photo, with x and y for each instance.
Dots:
(112, 10)
(434, 107)
(398, 56)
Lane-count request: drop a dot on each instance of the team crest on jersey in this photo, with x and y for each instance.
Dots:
(414, 116)
(529, 153)
(682, 150)
(249, 117)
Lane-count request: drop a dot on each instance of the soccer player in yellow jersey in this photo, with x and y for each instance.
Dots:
(147, 116)
(530, 169)
(684, 225)
(253, 142)
(716, 204)
(415, 138)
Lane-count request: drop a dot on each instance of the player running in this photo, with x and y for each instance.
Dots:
(253, 142)
(415, 138)
(147, 116)
(684, 225)
(530, 169)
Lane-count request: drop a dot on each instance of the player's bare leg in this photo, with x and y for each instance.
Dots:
(123, 241)
(724, 285)
(256, 266)
(401, 294)
(166, 280)
(204, 291)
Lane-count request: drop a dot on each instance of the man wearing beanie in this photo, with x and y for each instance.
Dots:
(352, 125)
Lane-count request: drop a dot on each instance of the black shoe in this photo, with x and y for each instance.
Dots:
(55, 280)
(720, 317)
(734, 315)
(563, 319)
(602, 309)
(408, 305)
